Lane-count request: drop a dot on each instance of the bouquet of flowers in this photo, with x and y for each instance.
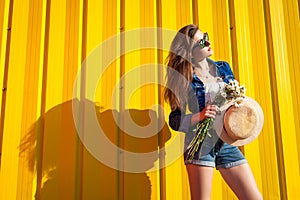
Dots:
(231, 91)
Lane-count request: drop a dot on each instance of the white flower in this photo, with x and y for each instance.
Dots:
(223, 94)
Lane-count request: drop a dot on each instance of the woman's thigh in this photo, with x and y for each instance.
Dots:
(241, 180)
(200, 179)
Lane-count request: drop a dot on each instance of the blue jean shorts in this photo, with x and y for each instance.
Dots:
(221, 155)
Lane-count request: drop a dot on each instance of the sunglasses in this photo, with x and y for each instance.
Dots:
(203, 42)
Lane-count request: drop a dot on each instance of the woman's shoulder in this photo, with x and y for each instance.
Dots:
(224, 70)
(222, 64)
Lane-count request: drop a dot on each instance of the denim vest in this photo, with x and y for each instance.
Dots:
(197, 94)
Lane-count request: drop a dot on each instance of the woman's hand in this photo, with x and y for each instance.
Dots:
(209, 111)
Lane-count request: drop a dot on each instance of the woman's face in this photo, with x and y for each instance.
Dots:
(198, 52)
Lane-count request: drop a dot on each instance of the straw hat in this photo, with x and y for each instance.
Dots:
(239, 125)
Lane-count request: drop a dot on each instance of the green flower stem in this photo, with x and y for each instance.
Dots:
(201, 132)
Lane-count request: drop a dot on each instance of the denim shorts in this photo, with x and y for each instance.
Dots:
(221, 155)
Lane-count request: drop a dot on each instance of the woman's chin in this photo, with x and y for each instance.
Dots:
(210, 53)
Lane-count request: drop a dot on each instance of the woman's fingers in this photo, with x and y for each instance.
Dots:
(211, 111)
(213, 108)
(210, 114)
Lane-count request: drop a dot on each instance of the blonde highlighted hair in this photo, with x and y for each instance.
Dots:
(180, 70)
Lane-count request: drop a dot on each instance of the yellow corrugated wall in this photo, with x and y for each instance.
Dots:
(43, 44)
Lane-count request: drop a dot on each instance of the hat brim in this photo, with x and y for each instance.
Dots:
(219, 123)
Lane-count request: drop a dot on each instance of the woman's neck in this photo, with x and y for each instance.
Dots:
(204, 70)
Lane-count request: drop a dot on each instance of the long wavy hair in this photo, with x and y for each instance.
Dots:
(180, 70)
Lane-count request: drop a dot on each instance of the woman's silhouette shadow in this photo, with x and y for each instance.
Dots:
(66, 170)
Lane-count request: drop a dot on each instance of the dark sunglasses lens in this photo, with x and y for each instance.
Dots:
(203, 42)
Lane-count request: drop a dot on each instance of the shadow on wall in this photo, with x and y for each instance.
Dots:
(66, 170)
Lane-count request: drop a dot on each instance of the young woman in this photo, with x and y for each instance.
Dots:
(193, 81)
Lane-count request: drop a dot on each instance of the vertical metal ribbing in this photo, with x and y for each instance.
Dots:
(195, 12)
(5, 74)
(234, 51)
(120, 135)
(40, 128)
(161, 137)
(79, 145)
(275, 104)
